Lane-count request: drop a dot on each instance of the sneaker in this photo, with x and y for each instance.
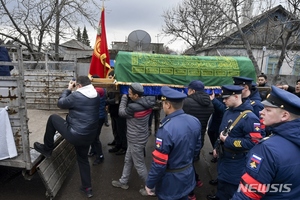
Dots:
(106, 124)
(88, 192)
(143, 192)
(192, 197)
(41, 149)
(199, 183)
(121, 152)
(113, 150)
(118, 184)
(98, 160)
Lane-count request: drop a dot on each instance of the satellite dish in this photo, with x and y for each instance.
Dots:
(139, 40)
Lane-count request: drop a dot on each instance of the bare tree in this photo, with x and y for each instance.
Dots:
(31, 22)
(194, 21)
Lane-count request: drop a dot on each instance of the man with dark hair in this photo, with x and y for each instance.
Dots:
(272, 166)
(178, 142)
(136, 109)
(262, 82)
(80, 127)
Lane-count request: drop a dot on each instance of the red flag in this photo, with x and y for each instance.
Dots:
(100, 58)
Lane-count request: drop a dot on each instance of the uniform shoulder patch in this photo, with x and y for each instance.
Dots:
(254, 162)
(158, 142)
(252, 102)
(256, 126)
(237, 143)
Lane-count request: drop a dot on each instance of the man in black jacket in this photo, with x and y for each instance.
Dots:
(199, 105)
(79, 128)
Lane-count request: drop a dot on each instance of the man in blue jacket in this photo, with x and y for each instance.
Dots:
(244, 134)
(178, 141)
(272, 166)
(80, 127)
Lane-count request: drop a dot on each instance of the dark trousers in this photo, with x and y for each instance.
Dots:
(96, 146)
(121, 139)
(225, 190)
(213, 136)
(81, 143)
(114, 126)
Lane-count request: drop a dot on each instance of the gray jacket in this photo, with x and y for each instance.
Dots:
(137, 116)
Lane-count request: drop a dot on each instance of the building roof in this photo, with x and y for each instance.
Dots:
(229, 37)
(74, 44)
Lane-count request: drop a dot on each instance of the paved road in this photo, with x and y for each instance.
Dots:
(14, 186)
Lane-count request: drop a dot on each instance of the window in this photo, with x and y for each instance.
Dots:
(296, 68)
(271, 64)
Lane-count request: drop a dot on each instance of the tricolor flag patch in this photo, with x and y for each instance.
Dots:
(254, 162)
(256, 126)
(158, 142)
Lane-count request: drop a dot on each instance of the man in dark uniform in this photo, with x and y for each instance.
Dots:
(244, 134)
(177, 143)
(272, 166)
(248, 92)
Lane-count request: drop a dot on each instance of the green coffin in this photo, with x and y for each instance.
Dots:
(178, 70)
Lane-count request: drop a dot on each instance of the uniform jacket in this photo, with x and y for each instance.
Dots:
(137, 116)
(275, 160)
(255, 101)
(244, 135)
(200, 106)
(5, 69)
(83, 105)
(177, 142)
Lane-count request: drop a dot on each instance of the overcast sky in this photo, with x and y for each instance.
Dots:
(124, 16)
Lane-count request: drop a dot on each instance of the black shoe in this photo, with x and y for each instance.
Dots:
(113, 143)
(113, 150)
(214, 160)
(212, 197)
(88, 192)
(91, 154)
(211, 153)
(213, 182)
(98, 160)
(106, 124)
(41, 149)
(121, 152)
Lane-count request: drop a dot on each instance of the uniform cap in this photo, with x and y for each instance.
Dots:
(228, 90)
(279, 98)
(170, 94)
(196, 85)
(240, 80)
(137, 88)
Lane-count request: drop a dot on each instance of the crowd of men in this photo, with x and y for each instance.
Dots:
(250, 165)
